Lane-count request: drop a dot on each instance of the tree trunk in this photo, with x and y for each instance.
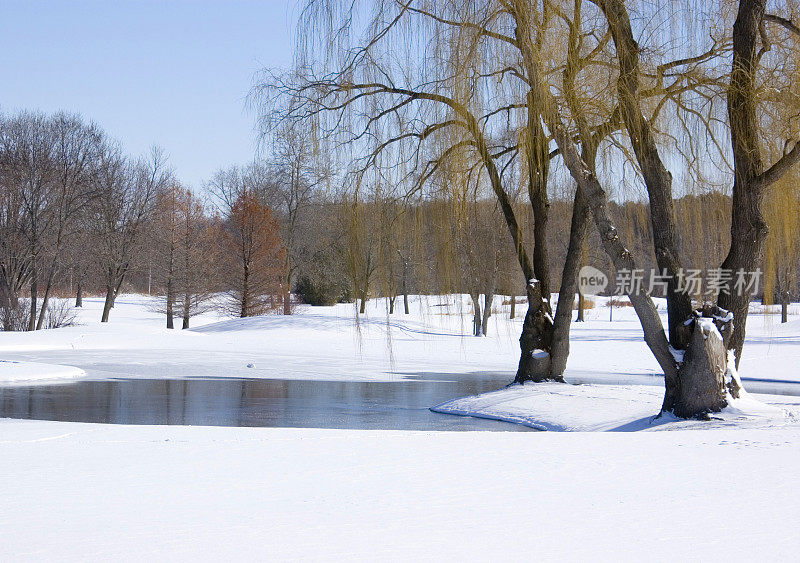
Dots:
(363, 308)
(477, 318)
(536, 339)
(170, 300)
(79, 295)
(34, 298)
(43, 309)
(8, 303)
(488, 299)
(5, 303)
(513, 314)
(187, 306)
(287, 291)
(748, 227)
(117, 289)
(705, 379)
(245, 308)
(113, 286)
(595, 196)
(108, 303)
(48, 288)
(287, 303)
(784, 307)
(657, 178)
(579, 223)
(391, 304)
(405, 298)
(581, 303)
(538, 169)
(578, 231)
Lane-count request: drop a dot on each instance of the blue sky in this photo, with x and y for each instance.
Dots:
(174, 73)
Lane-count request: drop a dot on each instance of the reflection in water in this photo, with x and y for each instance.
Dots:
(401, 405)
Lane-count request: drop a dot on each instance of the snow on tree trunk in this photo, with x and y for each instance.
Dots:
(536, 340)
(707, 377)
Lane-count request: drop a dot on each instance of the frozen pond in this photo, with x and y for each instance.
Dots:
(400, 405)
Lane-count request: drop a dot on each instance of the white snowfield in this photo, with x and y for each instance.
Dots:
(332, 343)
(82, 492)
(722, 490)
(29, 372)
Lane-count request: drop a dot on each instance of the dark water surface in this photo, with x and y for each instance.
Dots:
(400, 405)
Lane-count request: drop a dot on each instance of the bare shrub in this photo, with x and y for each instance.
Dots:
(60, 313)
(15, 318)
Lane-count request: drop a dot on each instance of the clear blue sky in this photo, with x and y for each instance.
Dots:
(174, 73)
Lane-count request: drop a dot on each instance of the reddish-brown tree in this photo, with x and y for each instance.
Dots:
(254, 258)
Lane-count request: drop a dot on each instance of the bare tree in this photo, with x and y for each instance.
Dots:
(198, 255)
(126, 199)
(167, 222)
(76, 157)
(298, 173)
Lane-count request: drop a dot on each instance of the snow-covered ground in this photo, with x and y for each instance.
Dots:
(729, 489)
(81, 492)
(332, 343)
(12, 371)
(616, 408)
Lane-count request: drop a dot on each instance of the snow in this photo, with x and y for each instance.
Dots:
(707, 327)
(333, 343)
(330, 343)
(613, 408)
(539, 354)
(677, 354)
(29, 372)
(724, 490)
(732, 375)
(78, 492)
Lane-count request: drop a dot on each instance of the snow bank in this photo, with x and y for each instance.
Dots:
(24, 372)
(603, 408)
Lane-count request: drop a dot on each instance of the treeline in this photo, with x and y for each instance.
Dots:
(77, 215)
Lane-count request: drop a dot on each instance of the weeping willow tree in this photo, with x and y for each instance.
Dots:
(701, 381)
(426, 86)
(510, 89)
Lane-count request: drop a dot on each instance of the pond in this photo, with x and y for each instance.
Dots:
(394, 405)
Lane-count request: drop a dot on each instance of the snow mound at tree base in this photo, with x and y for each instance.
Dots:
(611, 408)
(29, 372)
